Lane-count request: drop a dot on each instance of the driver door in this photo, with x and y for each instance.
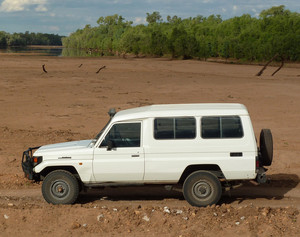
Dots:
(120, 155)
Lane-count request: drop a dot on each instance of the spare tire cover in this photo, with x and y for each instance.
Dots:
(266, 147)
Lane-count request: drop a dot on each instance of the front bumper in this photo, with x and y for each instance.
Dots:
(27, 163)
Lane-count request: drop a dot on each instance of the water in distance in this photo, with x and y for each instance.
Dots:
(58, 51)
(36, 50)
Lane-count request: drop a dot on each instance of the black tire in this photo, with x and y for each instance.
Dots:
(202, 188)
(266, 147)
(60, 187)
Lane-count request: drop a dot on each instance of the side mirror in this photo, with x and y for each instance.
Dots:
(110, 145)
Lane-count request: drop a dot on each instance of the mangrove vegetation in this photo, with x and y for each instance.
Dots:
(276, 31)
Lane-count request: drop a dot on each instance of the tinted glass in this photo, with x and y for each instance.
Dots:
(232, 127)
(221, 127)
(185, 128)
(124, 135)
(174, 128)
(164, 128)
(210, 127)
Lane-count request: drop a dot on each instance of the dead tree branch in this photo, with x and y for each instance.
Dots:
(262, 70)
(44, 69)
(100, 69)
(282, 63)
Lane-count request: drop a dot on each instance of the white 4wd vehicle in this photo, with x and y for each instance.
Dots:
(202, 148)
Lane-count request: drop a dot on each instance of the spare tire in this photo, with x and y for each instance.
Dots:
(266, 147)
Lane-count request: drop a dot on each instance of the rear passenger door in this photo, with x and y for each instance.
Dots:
(170, 147)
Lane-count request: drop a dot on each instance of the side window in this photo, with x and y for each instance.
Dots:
(124, 135)
(210, 127)
(185, 128)
(221, 127)
(164, 128)
(174, 128)
(232, 127)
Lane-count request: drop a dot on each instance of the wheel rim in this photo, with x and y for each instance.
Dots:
(59, 189)
(202, 190)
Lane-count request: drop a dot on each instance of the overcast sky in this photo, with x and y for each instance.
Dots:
(66, 16)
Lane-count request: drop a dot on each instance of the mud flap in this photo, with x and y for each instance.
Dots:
(261, 176)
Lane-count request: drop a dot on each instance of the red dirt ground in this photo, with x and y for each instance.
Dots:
(71, 103)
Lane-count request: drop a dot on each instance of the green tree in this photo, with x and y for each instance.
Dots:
(3, 39)
(154, 17)
(275, 11)
(276, 31)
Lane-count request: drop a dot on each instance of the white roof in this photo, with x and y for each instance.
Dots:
(169, 110)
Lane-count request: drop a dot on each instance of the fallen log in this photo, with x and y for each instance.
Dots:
(44, 69)
(277, 70)
(100, 69)
(262, 70)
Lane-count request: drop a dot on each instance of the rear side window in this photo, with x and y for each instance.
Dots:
(221, 127)
(174, 128)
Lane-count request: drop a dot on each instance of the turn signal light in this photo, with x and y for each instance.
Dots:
(36, 160)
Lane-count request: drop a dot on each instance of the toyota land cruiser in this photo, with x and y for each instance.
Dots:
(201, 148)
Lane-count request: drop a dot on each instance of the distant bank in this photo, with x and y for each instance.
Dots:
(273, 34)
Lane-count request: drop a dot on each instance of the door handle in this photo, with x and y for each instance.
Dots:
(235, 154)
(135, 155)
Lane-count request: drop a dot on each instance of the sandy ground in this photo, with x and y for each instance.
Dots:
(70, 102)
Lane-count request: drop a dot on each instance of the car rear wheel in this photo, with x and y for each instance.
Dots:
(60, 187)
(202, 188)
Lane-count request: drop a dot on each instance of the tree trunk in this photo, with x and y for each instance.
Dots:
(262, 70)
(282, 63)
(100, 69)
(44, 69)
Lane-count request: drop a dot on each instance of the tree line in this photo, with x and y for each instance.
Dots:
(27, 38)
(275, 31)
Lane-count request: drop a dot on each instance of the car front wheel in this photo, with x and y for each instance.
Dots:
(60, 187)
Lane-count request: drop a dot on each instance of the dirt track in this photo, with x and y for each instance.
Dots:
(71, 102)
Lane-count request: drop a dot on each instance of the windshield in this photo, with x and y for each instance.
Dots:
(100, 133)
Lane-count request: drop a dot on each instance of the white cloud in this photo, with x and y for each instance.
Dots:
(41, 8)
(234, 7)
(22, 5)
(139, 20)
(54, 28)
